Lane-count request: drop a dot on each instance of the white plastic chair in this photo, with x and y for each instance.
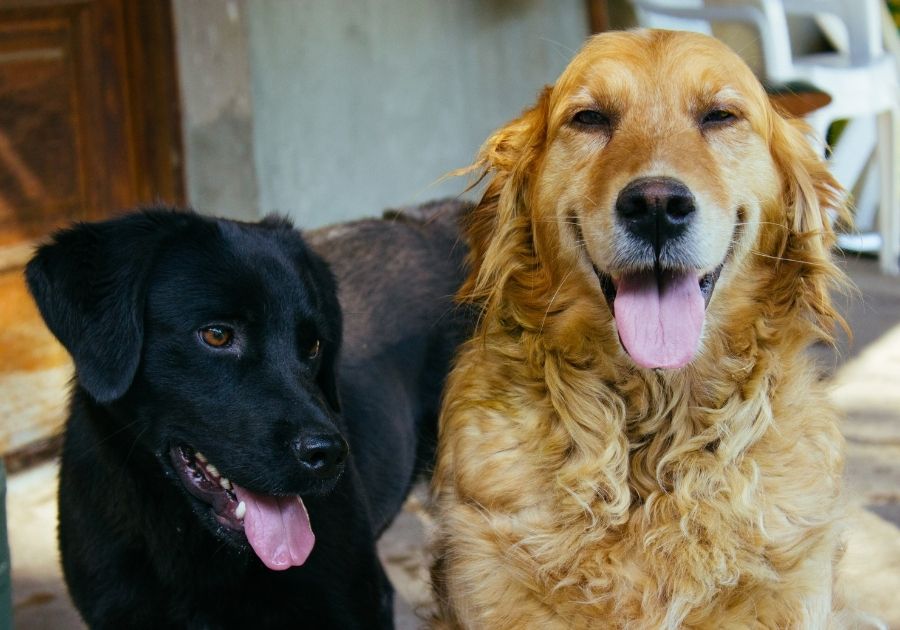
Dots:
(860, 77)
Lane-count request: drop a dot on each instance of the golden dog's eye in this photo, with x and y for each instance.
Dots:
(590, 118)
(217, 336)
(717, 117)
(314, 349)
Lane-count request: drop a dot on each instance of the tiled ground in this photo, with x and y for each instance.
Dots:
(867, 386)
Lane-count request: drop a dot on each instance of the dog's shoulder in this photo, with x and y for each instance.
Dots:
(409, 228)
(402, 269)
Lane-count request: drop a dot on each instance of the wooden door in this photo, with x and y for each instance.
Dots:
(89, 126)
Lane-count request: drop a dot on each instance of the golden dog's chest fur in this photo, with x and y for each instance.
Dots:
(574, 489)
(585, 497)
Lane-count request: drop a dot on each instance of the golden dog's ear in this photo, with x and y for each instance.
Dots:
(814, 198)
(499, 227)
(813, 203)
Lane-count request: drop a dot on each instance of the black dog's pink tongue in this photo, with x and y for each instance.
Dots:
(277, 528)
(659, 317)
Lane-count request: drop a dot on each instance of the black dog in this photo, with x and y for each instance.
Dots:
(209, 399)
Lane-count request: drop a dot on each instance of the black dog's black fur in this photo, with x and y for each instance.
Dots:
(128, 298)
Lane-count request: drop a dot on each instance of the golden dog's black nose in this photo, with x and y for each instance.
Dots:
(655, 209)
(321, 455)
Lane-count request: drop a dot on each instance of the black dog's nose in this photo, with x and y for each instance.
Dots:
(655, 209)
(321, 455)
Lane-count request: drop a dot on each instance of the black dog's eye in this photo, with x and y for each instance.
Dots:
(217, 336)
(314, 349)
(590, 118)
(717, 117)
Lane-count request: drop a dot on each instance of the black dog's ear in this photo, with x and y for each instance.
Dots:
(89, 283)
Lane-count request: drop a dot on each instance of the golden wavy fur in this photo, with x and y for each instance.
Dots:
(575, 489)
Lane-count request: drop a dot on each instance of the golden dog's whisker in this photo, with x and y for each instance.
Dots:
(564, 51)
(810, 263)
(558, 221)
(772, 223)
(552, 299)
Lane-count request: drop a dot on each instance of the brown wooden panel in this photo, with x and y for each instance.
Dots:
(89, 117)
(154, 101)
(89, 126)
(598, 15)
(40, 170)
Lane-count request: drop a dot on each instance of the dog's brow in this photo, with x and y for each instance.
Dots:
(727, 96)
(583, 94)
(587, 97)
(729, 93)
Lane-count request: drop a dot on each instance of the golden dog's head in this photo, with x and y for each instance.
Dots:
(654, 180)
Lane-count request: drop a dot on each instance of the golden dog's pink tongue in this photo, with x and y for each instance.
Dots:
(659, 317)
(277, 528)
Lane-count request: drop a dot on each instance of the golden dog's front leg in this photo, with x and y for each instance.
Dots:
(477, 584)
(517, 501)
(487, 499)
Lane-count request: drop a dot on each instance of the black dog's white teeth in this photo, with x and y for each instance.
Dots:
(203, 467)
(207, 484)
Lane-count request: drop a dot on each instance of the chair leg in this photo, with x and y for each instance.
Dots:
(889, 210)
(819, 120)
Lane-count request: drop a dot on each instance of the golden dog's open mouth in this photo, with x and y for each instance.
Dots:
(659, 313)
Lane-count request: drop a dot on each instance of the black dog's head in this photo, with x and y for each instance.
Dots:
(214, 343)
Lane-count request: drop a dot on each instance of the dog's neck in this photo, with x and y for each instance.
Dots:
(658, 451)
(714, 409)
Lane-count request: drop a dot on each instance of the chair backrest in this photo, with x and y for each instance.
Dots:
(766, 18)
(853, 27)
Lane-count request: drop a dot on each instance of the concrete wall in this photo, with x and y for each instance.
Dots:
(356, 105)
(217, 111)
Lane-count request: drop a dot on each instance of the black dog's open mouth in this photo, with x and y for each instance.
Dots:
(205, 483)
(277, 527)
(659, 313)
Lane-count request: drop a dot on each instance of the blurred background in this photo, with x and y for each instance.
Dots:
(328, 111)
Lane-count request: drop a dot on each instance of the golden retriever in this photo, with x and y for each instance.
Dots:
(635, 437)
